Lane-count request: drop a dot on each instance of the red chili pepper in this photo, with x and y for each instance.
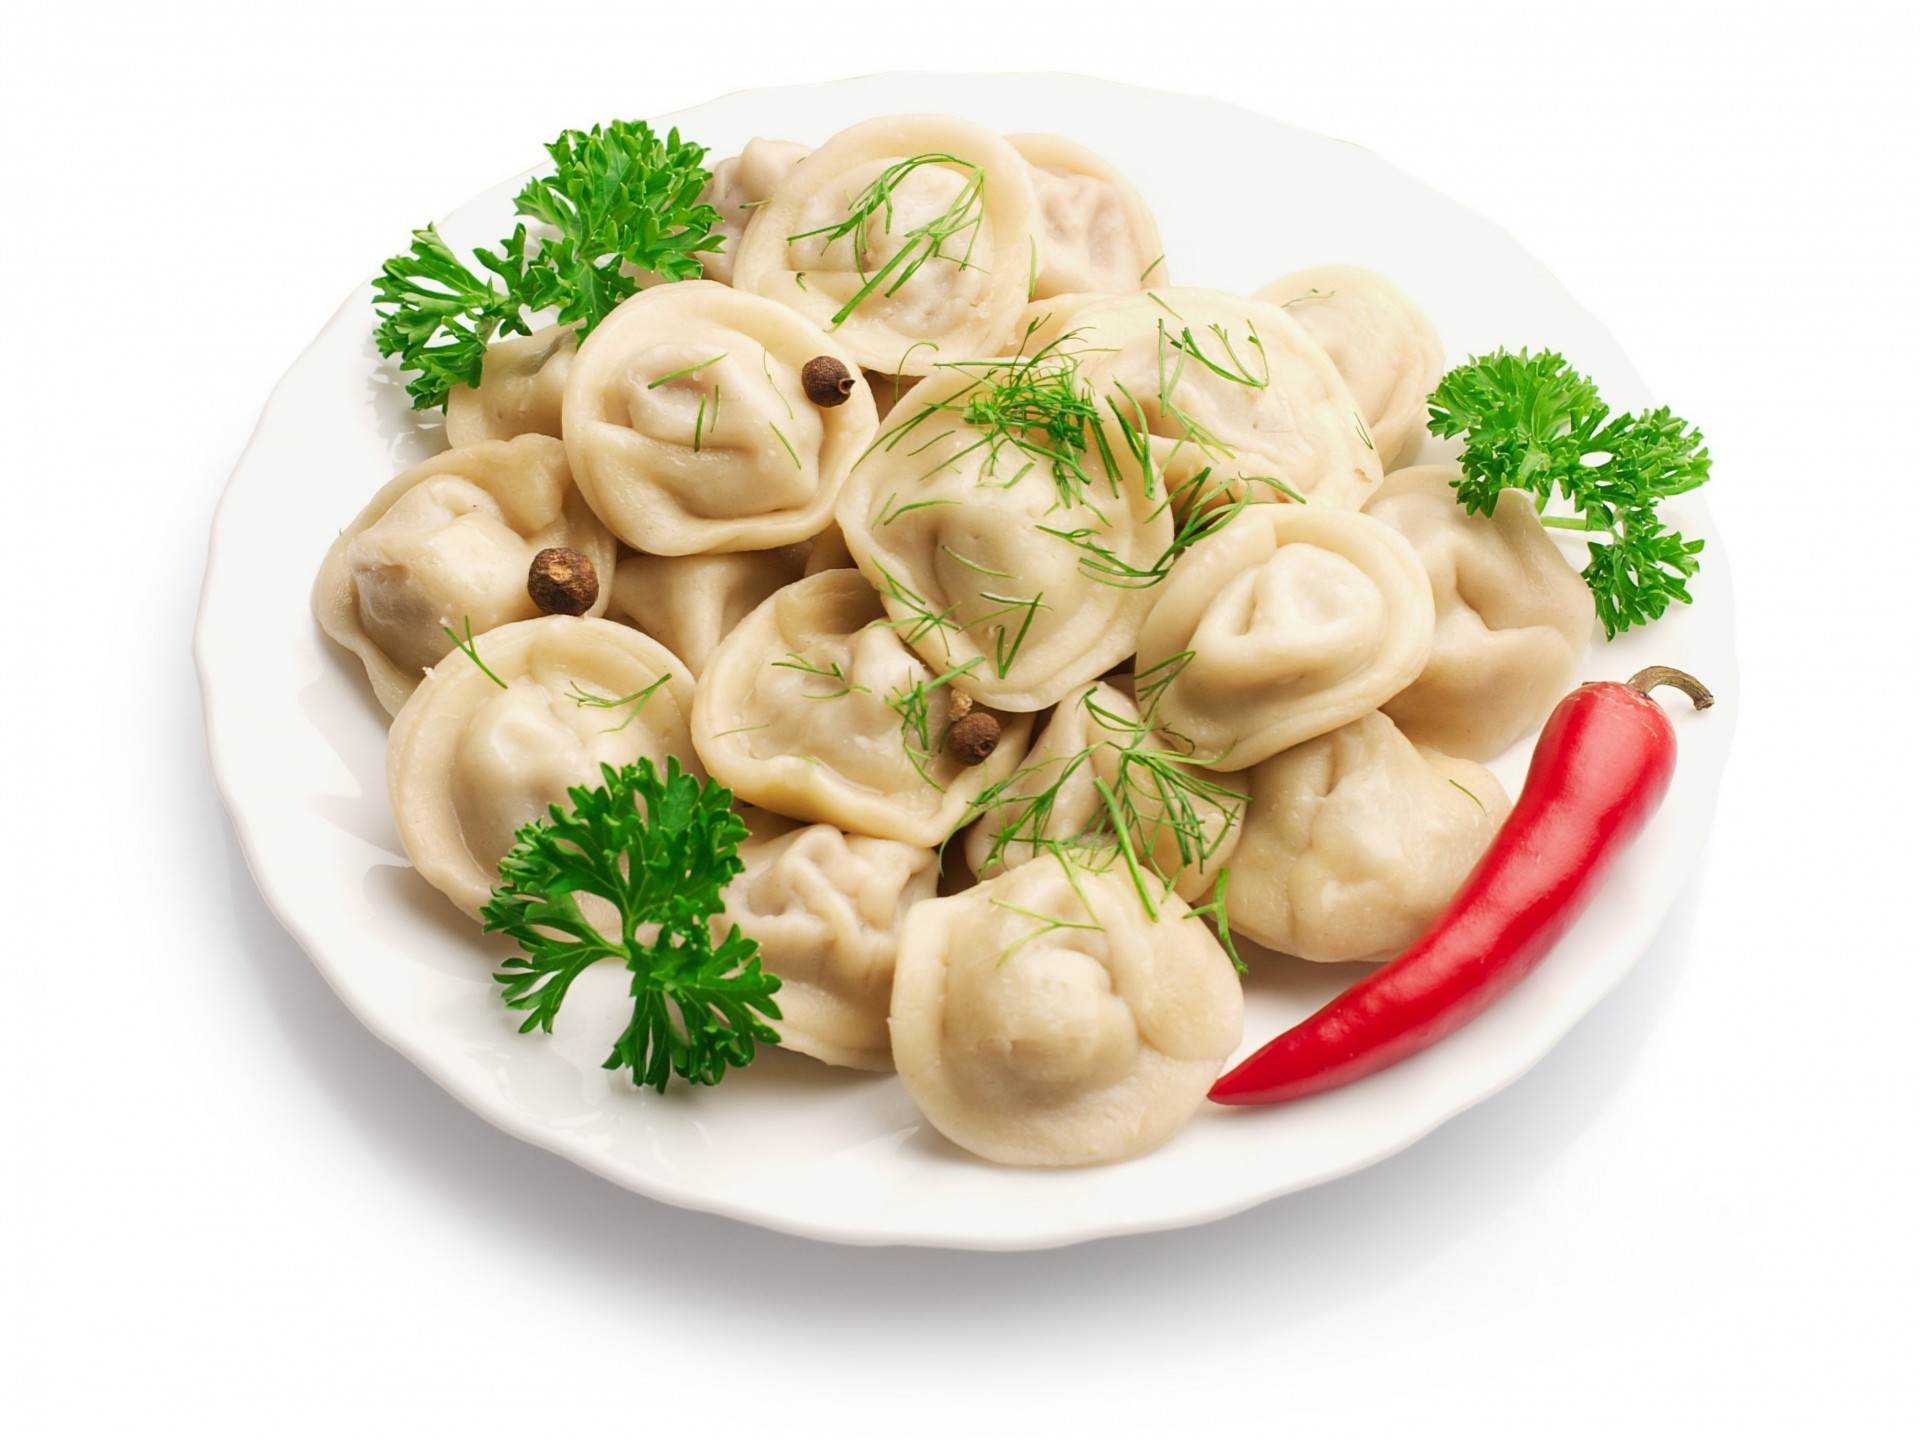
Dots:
(1600, 769)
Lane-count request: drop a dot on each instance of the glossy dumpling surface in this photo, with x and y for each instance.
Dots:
(1046, 1018)
(966, 535)
(1225, 385)
(690, 431)
(1184, 821)
(690, 603)
(826, 908)
(1511, 616)
(522, 381)
(815, 709)
(1289, 622)
(475, 755)
(1098, 234)
(907, 237)
(1383, 345)
(449, 544)
(740, 185)
(1355, 840)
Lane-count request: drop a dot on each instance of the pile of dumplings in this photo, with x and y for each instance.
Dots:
(956, 542)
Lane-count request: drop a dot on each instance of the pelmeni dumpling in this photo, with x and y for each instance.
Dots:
(1225, 385)
(814, 708)
(522, 380)
(988, 557)
(690, 603)
(1045, 1017)
(477, 753)
(1288, 622)
(1099, 235)
(740, 185)
(1355, 840)
(690, 431)
(908, 237)
(448, 545)
(1184, 821)
(1381, 342)
(826, 907)
(1511, 616)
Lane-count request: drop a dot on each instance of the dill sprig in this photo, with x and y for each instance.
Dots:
(919, 736)
(633, 704)
(831, 672)
(921, 243)
(469, 649)
(1157, 814)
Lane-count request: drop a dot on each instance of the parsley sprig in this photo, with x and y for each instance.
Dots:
(1534, 423)
(658, 849)
(620, 200)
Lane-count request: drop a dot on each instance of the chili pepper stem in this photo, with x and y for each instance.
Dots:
(1654, 675)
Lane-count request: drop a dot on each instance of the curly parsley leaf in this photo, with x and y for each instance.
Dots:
(620, 200)
(658, 849)
(1533, 423)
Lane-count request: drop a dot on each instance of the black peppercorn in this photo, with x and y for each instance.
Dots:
(562, 582)
(827, 381)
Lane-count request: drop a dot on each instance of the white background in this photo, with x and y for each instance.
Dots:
(229, 1205)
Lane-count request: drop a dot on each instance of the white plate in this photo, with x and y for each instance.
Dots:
(298, 742)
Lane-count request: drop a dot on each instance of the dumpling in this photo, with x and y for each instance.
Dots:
(1383, 345)
(1045, 1017)
(1355, 840)
(446, 545)
(1511, 616)
(814, 708)
(1224, 385)
(522, 380)
(1099, 235)
(1286, 623)
(690, 429)
(740, 185)
(826, 908)
(478, 752)
(1184, 821)
(907, 237)
(690, 603)
(1000, 547)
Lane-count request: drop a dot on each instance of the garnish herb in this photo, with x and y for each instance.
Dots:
(658, 849)
(833, 672)
(1149, 790)
(787, 445)
(620, 199)
(918, 735)
(631, 703)
(658, 381)
(1533, 423)
(923, 242)
(469, 649)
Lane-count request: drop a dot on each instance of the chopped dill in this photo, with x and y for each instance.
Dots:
(927, 241)
(657, 382)
(787, 444)
(796, 661)
(633, 702)
(917, 731)
(1468, 793)
(1158, 813)
(469, 649)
